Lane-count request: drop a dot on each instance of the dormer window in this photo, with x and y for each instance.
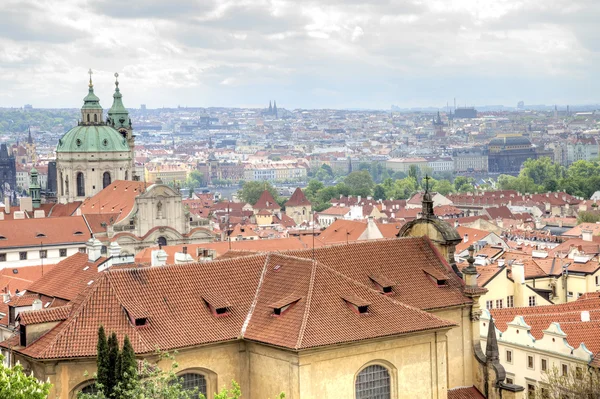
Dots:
(357, 304)
(140, 322)
(40, 235)
(217, 305)
(439, 278)
(78, 233)
(283, 305)
(383, 284)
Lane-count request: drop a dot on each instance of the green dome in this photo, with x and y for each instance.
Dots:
(92, 138)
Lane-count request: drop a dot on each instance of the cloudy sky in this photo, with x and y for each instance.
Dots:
(303, 53)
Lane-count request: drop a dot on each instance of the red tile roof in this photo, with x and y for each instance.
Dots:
(172, 299)
(396, 259)
(118, 197)
(298, 199)
(68, 278)
(266, 201)
(46, 231)
(44, 315)
(465, 393)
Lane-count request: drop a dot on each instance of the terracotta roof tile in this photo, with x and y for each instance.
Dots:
(49, 231)
(172, 299)
(44, 315)
(298, 199)
(266, 201)
(465, 393)
(76, 270)
(118, 197)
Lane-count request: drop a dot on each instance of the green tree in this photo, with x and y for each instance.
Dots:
(15, 384)
(579, 382)
(327, 169)
(102, 359)
(113, 361)
(379, 192)
(588, 217)
(542, 171)
(194, 180)
(127, 376)
(464, 184)
(360, 183)
(402, 189)
(252, 190)
(414, 172)
(443, 187)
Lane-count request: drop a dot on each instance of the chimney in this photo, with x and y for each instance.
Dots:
(185, 250)
(114, 249)
(26, 204)
(37, 304)
(518, 277)
(7, 204)
(466, 238)
(500, 262)
(94, 249)
(585, 316)
(159, 257)
(586, 235)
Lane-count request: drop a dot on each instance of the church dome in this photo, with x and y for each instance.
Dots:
(92, 138)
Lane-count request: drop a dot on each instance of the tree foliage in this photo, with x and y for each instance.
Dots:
(581, 178)
(578, 382)
(15, 384)
(360, 183)
(252, 190)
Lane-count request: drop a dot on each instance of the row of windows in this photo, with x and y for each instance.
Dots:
(510, 302)
(373, 382)
(43, 254)
(564, 368)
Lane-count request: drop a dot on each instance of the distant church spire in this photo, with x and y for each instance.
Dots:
(270, 107)
(427, 204)
(29, 139)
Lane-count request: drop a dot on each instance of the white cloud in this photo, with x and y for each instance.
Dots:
(370, 53)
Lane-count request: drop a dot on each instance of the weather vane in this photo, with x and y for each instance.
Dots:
(427, 182)
(90, 72)
(116, 78)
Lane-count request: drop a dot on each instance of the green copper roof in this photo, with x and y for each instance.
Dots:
(118, 114)
(92, 138)
(91, 101)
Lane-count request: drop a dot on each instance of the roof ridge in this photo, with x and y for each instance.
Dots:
(256, 294)
(311, 286)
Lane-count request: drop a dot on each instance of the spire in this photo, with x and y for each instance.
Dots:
(91, 101)
(270, 107)
(29, 139)
(427, 203)
(491, 345)
(118, 116)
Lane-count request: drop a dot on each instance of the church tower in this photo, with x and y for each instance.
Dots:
(93, 154)
(34, 189)
(118, 118)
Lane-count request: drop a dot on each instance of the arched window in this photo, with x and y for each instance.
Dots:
(88, 118)
(80, 185)
(193, 381)
(373, 382)
(105, 179)
(162, 241)
(95, 118)
(90, 389)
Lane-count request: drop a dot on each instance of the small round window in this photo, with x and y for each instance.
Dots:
(78, 142)
(105, 143)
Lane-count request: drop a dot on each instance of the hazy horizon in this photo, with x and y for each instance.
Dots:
(303, 54)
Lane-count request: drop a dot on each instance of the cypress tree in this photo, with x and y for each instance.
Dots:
(128, 365)
(113, 359)
(102, 359)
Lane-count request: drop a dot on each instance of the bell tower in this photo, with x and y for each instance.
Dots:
(91, 112)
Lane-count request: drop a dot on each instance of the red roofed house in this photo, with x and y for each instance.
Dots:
(534, 340)
(367, 319)
(298, 207)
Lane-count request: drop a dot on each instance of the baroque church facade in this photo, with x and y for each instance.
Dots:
(96, 152)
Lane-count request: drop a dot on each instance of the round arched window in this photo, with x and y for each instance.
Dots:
(90, 389)
(373, 382)
(193, 381)
(78, 142)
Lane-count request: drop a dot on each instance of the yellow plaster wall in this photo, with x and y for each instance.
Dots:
(330, 374)
(460, 346)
